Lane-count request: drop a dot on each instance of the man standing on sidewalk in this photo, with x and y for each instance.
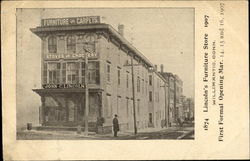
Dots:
(115, 125)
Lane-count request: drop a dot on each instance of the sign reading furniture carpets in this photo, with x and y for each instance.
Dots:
(70, 21)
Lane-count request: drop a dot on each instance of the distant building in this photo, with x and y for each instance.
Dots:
(170, 78)
(188, 109)
(182, 107)
(157, 99)
(177, 97)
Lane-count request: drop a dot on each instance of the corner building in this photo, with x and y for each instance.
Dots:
(110, 58)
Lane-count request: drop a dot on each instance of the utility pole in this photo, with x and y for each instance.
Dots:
(86, 91)
(166, 110)
(86, 94)
(86, 113)
(133, 92)
(168, 101)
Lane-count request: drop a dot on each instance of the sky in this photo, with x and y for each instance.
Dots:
(164, 35)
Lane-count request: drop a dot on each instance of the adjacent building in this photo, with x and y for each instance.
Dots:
(157, 104)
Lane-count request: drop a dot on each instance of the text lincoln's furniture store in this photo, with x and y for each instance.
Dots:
(111, 58)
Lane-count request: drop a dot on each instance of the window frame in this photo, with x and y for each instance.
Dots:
(150, 80)
(52, 44)
(57, 73)
(138, 84)
(63, 72)
(150, 96)
(71, 43)
(108, 70)
(77, 80)
(118, 77)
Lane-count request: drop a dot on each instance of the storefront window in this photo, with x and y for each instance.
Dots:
(55, 109)
(52, 44)
(72, 107)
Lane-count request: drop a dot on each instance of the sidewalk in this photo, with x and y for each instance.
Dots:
(141, 133)
(68, 135)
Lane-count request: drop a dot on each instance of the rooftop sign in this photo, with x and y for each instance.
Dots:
(70, 21)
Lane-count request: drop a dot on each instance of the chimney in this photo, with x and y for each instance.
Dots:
(155, 67)
(121, 29)
(162, 68)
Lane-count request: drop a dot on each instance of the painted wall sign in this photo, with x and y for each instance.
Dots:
(53, 86)
(70, 21)
(69, 56)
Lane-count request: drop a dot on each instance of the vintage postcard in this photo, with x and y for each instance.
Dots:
(125, 80)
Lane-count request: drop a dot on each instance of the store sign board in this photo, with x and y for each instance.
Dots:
(70, 21)
(69, 56)
(58, 86)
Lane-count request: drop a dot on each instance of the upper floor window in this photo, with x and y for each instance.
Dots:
(127, 79)
(108, 72)
(138, 84)
(73, 72)
(127, 107)
(70, 72)
(119, 76)
(150, 80)
(150, 96)
(52, 44)
(93, 72)
(53, 72)
(71, 43)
